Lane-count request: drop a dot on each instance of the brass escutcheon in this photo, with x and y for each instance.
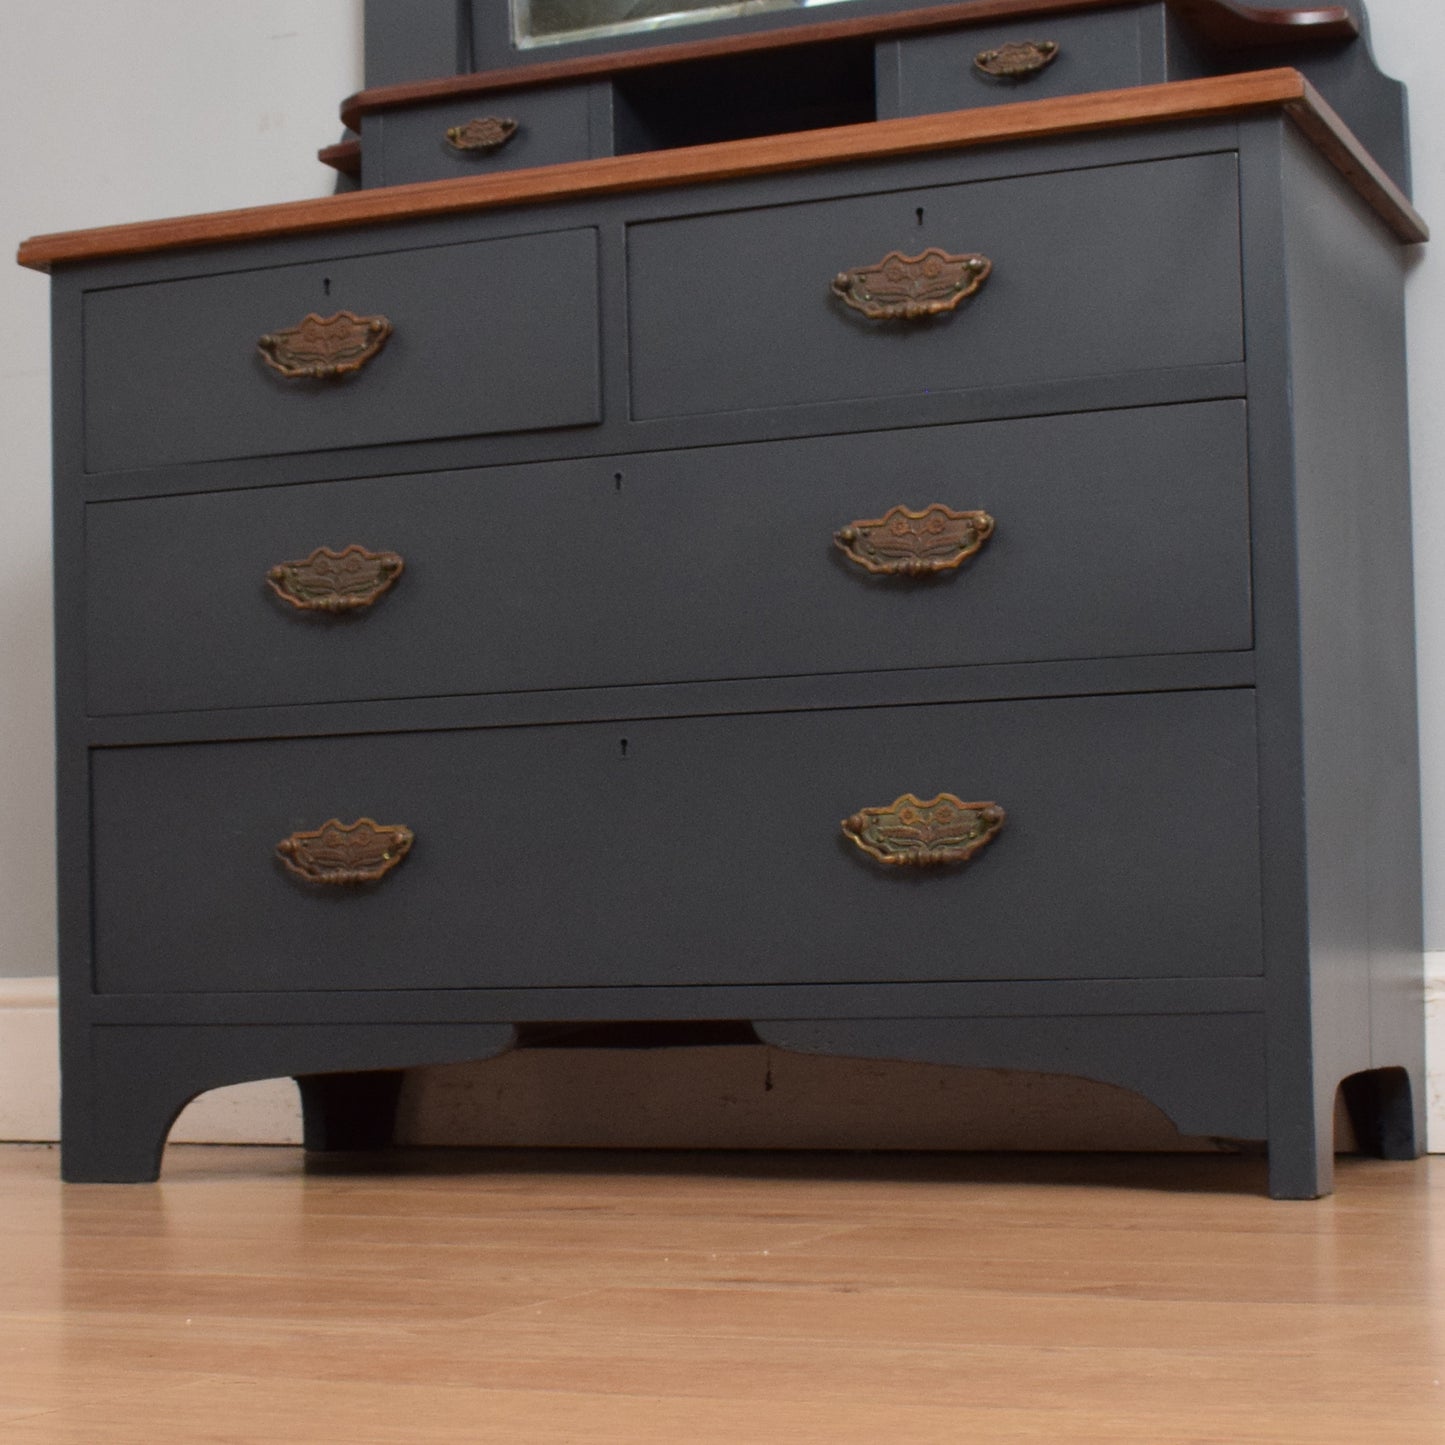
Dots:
(904, 543)
(1017, 59)
(911, 833)
(909, 288)
(322, 347)
(484, 135)
(328, 581)
(337, 852)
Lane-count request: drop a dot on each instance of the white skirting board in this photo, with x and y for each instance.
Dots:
(268, 1112)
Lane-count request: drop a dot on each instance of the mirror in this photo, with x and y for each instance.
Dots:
(550, 22)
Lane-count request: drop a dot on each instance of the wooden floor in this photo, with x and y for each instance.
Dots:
(693, 1299)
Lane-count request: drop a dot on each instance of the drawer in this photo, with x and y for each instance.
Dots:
(1095, 272)
(1116, 533)
(692, 851)
(173, 371)
(551, 125)
(1074, 54)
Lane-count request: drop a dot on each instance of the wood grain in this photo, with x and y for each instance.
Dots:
(1220, 22)
(1190, 100)
(459, 1296)
(344, 156)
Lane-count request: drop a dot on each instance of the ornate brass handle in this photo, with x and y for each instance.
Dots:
(908, 288)
(482, 136)
(1017, 59)
(336, 852)
(328, 581)
(902, 543)
(323, 347)
(912, 833)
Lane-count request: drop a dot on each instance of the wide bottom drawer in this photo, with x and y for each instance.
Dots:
(692, 851)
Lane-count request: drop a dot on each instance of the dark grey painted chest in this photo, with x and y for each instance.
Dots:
(623, 686)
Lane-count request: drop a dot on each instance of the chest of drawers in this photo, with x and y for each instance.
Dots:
(627, 685)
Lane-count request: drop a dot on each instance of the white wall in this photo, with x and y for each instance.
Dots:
(126, 111)
(120, 110)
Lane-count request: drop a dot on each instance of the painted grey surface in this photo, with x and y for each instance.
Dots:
(1063, 998)
(1096, 52)
(1096, 271)
(410, 40)
(704, 851)
(1361, 742)
(1119, 533)
(1339, 803)
(1104, 50)
(116, 1111)
(554, 124)
(903, 687)
(494, 47)
(617, 432)
(578, 927)
(1206, 1073)
(173, 374)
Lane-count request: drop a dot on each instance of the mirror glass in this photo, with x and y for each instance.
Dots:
(549, 22)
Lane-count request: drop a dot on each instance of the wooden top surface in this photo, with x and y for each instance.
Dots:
(1219, 97)
(1220, 22)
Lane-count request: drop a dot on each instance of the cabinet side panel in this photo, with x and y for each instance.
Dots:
(1346, 324)
(73, 851)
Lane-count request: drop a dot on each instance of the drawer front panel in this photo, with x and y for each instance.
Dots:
(1095, 272)
(1090, 52)
(693, 851)
(173, 372)
(1117, 534)
(552, 126)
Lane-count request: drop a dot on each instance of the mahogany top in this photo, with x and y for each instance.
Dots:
(1227, 23)
(1282, 91)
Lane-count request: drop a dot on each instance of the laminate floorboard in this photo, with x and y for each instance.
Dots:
(421, 1297)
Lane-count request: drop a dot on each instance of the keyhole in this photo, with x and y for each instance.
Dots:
(326, 285)
(919, 214)
(624, 747)
(616, 481)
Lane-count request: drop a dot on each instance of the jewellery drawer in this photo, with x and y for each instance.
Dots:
(1032, 58)
(692, 851)
(1101, 534)
(399, 345)
(508, 131)
(1061, 276)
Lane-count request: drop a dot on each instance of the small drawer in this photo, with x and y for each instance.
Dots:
(688, 851)
(1027, 59)
(508, 131)
(174, 371)
(1114, 534)
(1094, 272)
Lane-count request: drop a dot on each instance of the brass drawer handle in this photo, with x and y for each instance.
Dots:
(912, 833)
(328, 581)
(323, 347)
(336, 852)
(903, 543)
(1017, 59)
(482, 136)
(908, 288)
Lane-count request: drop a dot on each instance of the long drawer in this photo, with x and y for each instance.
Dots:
(1115, 534)
(175, 370)
(1097, 271)
(692, 851)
